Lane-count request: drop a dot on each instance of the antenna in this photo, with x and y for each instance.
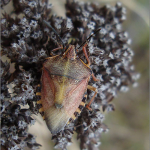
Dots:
(89, 37)
(45, 22)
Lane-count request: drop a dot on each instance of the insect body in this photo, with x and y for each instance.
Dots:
(64, 81)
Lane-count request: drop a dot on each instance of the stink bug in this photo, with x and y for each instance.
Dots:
(64, 81)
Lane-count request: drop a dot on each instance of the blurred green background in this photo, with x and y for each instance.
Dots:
(129, 123)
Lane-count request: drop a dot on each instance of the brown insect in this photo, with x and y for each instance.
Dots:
(64, 81)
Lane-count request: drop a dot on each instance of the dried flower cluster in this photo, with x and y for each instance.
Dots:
(14, 120)
(27, 41)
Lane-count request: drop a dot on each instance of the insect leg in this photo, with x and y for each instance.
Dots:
(85, 53)
(88, 60)
(56, 49)
(46, 42)
(94, 78)
(95, 90)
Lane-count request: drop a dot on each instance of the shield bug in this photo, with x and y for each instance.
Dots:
(64, 81)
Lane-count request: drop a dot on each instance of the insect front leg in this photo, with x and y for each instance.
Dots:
(88, 60)
(56, 49)
(86, 56)
(95, 90)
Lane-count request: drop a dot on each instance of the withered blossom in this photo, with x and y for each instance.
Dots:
(27, 41)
